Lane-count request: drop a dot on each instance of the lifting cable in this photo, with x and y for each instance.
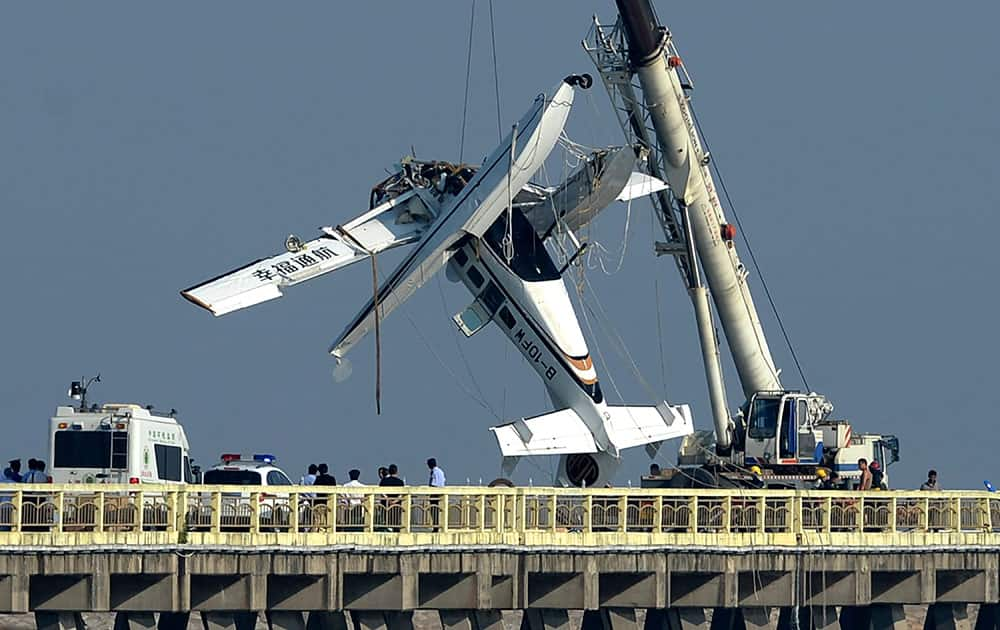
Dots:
(468, 75)
(753, 258)
(496, 74)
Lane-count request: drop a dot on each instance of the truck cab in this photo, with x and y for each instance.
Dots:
(782, 429)
(117, 443)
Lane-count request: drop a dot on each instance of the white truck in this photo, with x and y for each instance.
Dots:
(117, 443)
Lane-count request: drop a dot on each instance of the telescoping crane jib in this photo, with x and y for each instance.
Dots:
(779, 429)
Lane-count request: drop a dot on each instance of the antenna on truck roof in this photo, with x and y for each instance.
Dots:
(78, 389)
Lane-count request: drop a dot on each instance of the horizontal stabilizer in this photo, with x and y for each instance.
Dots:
(636, 426)
(557, 433)
(563, 432)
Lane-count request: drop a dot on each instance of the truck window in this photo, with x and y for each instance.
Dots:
(763, 423)
(232, 477)
(789, 431)
(82, 449)
(168, 462)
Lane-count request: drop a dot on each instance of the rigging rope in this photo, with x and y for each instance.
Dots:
(753, 258)
(496, 74)
(468, 75)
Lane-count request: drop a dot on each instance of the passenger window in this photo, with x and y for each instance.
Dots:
(506, 317)
(476, 277)
(277, 478)
(461, 257)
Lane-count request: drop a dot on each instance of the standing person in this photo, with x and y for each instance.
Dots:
(437, 475)
(355, 481)
(34, 475)
(12, 473)
(865, 483)
(324, 478)
(310, 478)
(434, 502)
(392, 477)
(355, 516)
(932, 481)
(392, 508)
(383, 472)
(878, 478)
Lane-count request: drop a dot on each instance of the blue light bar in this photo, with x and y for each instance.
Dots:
(264, 457)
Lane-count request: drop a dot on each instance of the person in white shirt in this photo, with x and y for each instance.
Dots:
(355, 475)
(437, 475)
(310, 478)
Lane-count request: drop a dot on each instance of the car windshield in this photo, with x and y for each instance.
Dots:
(233, 477)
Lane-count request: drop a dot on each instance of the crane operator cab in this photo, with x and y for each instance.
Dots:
(783, 429)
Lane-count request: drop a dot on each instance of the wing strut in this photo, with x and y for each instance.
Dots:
(378, 328)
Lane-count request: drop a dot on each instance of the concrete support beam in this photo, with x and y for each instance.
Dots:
(888, 617)
(322, 620)
(369, 620)
(471, 620)
(756, 618)
(676, 619)
(947, 617)
(134, 621)
(285, 620)
(59, 621)
(227, 620)
(610, 619)
(173, 621)
(546, 619)
(988, 617)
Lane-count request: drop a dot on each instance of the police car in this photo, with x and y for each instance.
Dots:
(246, 470)
(250, 470)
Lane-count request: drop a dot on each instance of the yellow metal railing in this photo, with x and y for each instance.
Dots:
(77, 514)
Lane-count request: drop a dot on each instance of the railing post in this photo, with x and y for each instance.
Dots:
(987, 522)
(727, 511)
(860, 523)
(827, 515)
(892, 514)
(925, 514)
(481, 521)
(216, 498)
(658, 514)
(794, 512)
(762, 510)
(254, 512)
(331, 512)
(57, 524)
(406, 519)
(99, 509)
(140, 513)
(693, 514)
(370, 512)
(623, 513)
(293, 518)
(553, 502)
(588, 512)
(172, 518)
(957, 511)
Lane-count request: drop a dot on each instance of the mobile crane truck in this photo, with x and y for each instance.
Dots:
(788, 435)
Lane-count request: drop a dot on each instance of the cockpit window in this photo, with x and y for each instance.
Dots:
(531, 261)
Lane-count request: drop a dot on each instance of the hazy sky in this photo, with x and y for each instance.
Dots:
(147, 147)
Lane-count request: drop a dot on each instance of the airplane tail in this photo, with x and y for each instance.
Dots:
(564, 432)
